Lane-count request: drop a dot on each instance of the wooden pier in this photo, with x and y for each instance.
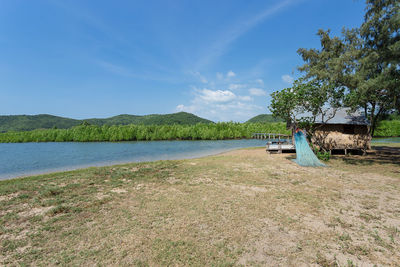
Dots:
(277, 143)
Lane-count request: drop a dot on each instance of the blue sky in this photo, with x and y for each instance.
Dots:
(217, 59)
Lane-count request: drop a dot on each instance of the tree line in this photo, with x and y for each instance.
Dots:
(133, 132)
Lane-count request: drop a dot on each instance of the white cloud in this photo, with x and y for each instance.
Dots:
(287, 78)
(221, 105)
(224, 100)
(235, 110)
(230, 74)
(216, 96)
(257, 91)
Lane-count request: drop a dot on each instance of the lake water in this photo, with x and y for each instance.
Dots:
(386, 140)
(23, 159)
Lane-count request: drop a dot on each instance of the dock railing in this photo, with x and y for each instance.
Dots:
(276, 142)
(272, 136)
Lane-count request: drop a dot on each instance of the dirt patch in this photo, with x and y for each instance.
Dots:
(119, 190)
(35, 211)
(8, 197)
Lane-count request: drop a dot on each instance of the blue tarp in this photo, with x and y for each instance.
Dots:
(304, 155)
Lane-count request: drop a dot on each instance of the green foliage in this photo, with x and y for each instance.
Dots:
(265, 118)
(132, 132)
(388, 128)
(28, 123)
(284, 103)
(321, 155)
(305, 97)
(393, 117)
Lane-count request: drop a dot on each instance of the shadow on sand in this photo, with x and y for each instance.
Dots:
(378, 155)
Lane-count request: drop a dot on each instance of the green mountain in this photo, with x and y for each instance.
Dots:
(265, 118)
(45, 121)
(153, 119)
(31, 122)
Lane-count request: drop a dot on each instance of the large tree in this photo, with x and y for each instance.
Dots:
(363, 63)
(379, 68)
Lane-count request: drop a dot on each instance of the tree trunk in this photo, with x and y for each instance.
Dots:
(372, 120)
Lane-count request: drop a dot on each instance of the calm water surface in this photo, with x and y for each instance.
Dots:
(36, 158)
(386, 140)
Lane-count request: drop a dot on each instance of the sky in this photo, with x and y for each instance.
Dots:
(218, 59)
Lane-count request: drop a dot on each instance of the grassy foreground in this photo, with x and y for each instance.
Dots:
(244, 207)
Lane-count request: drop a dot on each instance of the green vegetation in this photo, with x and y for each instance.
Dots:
(132, 132)
(265, 118)
(43, 121)
(200, 131)
(388, 128)
(325, 156)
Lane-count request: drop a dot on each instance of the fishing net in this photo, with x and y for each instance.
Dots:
(305, 156)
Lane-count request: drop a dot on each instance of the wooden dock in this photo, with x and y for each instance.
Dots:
(277, 143)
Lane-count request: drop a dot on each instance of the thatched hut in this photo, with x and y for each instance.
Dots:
(343, 130)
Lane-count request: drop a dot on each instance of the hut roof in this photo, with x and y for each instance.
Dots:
(342, 116)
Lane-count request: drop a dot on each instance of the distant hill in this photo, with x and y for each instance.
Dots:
(153, 119)
(45, 121)
(265, 118)
(30, 122)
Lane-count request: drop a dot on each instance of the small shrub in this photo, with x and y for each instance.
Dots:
(322, 155)
(325, 156)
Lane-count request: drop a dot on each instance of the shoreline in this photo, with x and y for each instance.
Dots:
(111, 164)
(116, 163)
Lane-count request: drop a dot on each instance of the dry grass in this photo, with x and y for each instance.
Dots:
(244, 207)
